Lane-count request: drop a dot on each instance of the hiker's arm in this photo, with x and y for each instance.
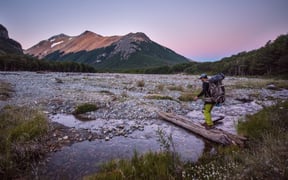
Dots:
(205, 88)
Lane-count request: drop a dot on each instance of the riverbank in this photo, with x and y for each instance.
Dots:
(264, 157)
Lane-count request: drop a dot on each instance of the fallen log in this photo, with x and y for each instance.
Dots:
(215, 134)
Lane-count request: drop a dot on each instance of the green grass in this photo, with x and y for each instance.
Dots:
(264, 156)
(187, 96)
(258, 83)
(20, 130)
(152, 165)
(83, 108)
(159, 97)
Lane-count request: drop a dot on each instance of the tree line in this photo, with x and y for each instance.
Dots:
(12, 62)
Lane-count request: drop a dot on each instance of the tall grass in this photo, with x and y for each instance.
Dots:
(20, 130)
(152, 165)
(6, 90)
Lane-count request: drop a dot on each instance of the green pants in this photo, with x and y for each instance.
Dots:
(207, 113)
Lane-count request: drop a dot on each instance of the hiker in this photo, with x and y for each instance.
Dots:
(208, 105)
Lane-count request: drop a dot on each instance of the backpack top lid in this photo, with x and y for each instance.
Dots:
(217, 78)
(203, 76)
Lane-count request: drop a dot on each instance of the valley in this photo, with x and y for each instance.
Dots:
(126, 117)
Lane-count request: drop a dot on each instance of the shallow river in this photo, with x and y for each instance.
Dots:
(79, 159)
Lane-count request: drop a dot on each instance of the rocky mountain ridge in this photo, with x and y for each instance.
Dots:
(7, 45)
(137, 49)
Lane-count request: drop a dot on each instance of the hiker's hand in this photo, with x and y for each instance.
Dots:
(195, 98)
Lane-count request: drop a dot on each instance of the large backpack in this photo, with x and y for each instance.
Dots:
(217, 89)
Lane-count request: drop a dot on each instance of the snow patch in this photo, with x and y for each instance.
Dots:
(52, 40)
(57, 43)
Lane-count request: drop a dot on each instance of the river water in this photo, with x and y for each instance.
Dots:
(83, 158)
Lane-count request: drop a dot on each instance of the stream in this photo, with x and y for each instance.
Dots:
(84, 158)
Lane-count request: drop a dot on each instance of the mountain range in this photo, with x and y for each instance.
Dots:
(131, 51)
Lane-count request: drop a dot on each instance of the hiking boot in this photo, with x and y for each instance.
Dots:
(207, 126)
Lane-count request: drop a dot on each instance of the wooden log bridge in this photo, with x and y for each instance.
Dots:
(215, 134)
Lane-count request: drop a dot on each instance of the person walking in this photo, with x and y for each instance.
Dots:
(208, 104)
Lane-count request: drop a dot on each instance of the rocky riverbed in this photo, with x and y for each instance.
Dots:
(126, 116)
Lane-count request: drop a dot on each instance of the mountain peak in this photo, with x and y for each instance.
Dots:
(3, 32)
(138, 36)
(7, 45)
(90, 33)
(59, 36)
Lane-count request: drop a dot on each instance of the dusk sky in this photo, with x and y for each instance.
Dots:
(202, 30)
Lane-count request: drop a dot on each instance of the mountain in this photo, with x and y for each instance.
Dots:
(7, 45)
(134, 50)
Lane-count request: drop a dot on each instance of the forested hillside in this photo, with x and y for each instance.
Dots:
(270, 60)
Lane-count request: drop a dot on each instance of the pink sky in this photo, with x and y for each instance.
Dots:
(205, 30)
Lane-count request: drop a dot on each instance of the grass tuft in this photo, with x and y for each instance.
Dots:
(158, 97)
(140, 83)
(187, 96)
(83, 108)
(176, 88)
(6, 90)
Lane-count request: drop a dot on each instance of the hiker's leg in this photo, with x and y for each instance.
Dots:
(207, 113)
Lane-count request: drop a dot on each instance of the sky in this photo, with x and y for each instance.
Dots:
(201, 30)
